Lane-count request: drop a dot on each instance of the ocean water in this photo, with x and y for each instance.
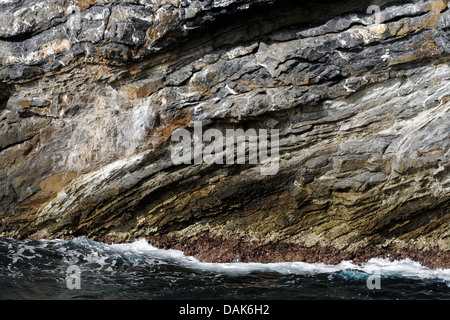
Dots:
(85, 269)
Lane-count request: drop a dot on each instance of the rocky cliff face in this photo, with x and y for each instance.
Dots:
(92, 91)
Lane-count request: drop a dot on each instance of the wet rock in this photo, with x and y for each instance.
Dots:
(91, 93)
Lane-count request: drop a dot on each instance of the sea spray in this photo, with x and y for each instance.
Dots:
(32, 269)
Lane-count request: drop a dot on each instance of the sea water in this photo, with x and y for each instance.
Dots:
(85, 269)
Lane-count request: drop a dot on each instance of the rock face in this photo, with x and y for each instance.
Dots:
(91, 92)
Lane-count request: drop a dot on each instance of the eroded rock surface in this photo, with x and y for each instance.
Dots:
(91, 92)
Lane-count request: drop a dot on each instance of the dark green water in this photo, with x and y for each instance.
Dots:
(84, 269)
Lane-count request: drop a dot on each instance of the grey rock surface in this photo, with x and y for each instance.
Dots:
(91, 92)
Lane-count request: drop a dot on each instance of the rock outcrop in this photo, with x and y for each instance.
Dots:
(91, 92)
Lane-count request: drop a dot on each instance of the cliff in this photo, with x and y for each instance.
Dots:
(93, 91)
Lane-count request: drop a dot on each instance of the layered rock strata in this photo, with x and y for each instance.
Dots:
(91, 92)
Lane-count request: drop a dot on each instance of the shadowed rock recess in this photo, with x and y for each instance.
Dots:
(92, 90)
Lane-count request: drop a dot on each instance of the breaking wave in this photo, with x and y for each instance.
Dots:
(38, 269)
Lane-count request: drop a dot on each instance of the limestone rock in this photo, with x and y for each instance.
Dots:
(92, 91)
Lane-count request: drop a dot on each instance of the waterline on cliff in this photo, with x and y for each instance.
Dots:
(403, 268)
(85, 269)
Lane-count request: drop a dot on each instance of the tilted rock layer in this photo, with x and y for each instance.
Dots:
(92, 90)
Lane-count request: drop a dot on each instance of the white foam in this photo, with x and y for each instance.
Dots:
(140, 252)
(385, 267)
